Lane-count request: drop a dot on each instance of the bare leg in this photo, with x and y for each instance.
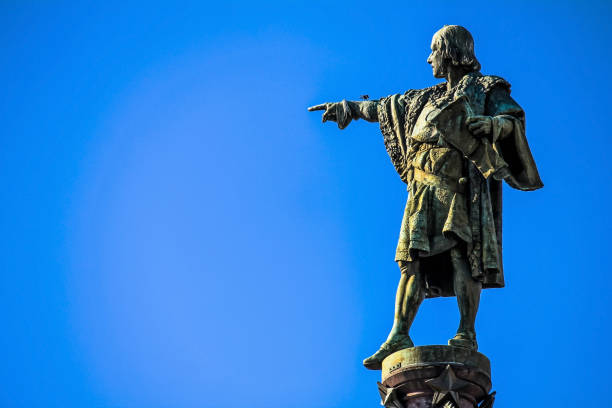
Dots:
(467, 290)
(410, 294)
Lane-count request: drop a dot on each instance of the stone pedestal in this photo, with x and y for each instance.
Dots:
(436, 377)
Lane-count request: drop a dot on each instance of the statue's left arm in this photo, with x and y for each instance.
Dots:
(502, 114)
(504, 126)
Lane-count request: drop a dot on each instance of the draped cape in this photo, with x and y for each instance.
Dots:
(488, 159)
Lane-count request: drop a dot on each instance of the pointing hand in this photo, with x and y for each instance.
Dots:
(329, 108)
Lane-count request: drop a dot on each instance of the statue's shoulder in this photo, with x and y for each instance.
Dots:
(490, 82)
(406, 98)
(416, 93)
(411, 93)
(434, 88)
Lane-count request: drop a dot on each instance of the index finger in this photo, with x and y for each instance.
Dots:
(471, 119)
(322, 106)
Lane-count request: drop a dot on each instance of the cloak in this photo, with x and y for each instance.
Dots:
(489, 160)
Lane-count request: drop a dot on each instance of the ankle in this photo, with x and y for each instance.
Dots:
(466, 332)
(396, 334)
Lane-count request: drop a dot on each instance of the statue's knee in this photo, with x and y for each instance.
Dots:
(459, 259)
(408, 268)
(457, 253)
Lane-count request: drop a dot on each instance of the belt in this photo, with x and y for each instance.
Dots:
(447, 183)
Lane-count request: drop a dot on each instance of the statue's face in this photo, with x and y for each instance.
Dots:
(436, 60)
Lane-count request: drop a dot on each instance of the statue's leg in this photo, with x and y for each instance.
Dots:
(410, 294)
(467, 290)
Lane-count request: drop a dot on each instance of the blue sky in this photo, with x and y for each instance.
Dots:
(178, 231)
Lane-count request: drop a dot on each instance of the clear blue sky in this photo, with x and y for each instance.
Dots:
(178, 231)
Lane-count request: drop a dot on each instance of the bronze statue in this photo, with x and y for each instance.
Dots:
(452, 144)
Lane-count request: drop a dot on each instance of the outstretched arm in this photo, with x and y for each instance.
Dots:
(364, 110)
(345, 111)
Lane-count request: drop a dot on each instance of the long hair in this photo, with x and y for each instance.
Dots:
(457, 46)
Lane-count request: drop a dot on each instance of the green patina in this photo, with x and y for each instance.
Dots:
(452, 144)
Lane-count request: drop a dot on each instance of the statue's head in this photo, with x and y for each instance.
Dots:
(452, 46)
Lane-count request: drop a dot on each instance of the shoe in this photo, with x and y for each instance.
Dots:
(465, 340)
(374, 362)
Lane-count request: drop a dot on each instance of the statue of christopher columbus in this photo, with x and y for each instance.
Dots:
(452, 144)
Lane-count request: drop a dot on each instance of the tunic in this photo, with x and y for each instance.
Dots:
(435, 217)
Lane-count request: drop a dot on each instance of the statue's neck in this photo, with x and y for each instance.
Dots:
(455, 74)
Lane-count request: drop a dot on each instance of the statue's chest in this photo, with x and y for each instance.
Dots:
(422, 107)
(423, 130)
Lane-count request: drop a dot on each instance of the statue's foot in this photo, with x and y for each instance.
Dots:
(400, 342)
(466, 339)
